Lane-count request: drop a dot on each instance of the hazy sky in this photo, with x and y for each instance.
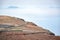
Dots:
(32, 6)
(45, 13)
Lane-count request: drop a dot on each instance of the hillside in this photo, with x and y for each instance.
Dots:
(13, 28)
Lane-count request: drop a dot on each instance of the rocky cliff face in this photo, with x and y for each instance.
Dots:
(12, 28)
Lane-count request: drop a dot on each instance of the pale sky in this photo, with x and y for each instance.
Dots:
(45, 13)
(31, 6)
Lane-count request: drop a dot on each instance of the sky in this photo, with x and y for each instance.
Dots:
(44, 13)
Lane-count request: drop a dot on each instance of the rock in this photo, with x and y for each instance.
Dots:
(7, 20)
(12, 28)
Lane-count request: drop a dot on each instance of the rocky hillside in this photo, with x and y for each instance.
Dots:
(7, 20)
(22, 36)
(13, 28)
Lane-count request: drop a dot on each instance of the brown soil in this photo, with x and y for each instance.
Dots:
(26, 36)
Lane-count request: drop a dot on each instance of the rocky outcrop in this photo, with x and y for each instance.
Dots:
(7, 20)
(12, 28)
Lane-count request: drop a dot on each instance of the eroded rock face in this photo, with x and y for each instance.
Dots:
(12, 28)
